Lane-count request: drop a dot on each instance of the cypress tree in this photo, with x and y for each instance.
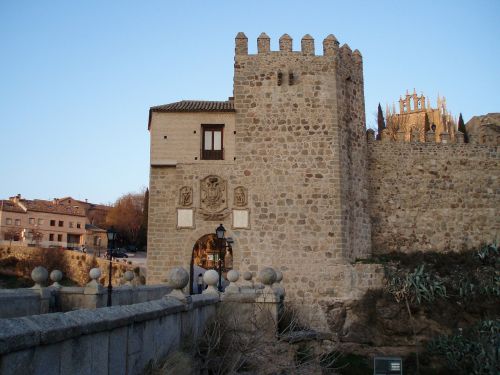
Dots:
(461, 128)
(427, 123)
(380, 122)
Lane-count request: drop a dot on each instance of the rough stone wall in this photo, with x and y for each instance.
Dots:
(353, 157)
(72, 264)
(431, 196)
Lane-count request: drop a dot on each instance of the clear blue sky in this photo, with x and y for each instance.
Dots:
(77, 77)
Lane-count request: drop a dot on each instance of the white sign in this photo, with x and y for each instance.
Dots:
(241, 219)
(185, 218)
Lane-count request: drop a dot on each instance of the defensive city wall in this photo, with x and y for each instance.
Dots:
(427, 196)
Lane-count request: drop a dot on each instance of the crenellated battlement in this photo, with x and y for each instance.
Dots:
(330, 46)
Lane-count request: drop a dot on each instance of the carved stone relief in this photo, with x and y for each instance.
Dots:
(186, 196)
(213, 198)
(240, 196)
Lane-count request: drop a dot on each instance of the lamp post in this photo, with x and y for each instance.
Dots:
(111, 245)
(219, 232)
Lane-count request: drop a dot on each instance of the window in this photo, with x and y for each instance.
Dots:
(8, 221)
(51, 237)
(78, 225)
(59, 238)
(32, 220)
(212, 142)
(40, 221)
(61, 223)
(52, 223)
(70, 224)
(18, 222)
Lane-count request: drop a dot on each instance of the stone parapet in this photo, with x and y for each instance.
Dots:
(116, 340)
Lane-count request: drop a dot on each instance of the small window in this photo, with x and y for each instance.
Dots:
(78, 225)
(18, 222)
(32, 220)
(59, 238)
(52, 223)
(40, 221)
(212, 147)
(70, 224)
(51, 237)
(61, 223)
(8, 221)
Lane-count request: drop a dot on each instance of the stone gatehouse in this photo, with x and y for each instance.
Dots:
(286, 166)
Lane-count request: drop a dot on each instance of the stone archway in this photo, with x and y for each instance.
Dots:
(205, 256)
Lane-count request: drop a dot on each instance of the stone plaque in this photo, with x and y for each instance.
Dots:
(240, 196)
(186, 196)
(185, 218)
(241, 219)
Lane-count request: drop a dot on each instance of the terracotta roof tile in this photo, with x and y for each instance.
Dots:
(193, 106)
(7, 205)
(196, 106)
(51, 207)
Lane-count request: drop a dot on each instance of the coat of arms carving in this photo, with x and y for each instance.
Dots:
(213, 197)
(240, 196)
(186, 196)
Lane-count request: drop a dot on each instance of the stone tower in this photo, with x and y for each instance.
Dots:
(300, 141)
(285, 172)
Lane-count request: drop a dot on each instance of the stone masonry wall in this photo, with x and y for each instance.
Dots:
(73, 264)
(432, 196)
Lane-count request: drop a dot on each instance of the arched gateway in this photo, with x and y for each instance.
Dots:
(207, 254)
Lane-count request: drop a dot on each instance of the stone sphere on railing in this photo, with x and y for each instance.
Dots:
(279, 276)
(247, 275)
(233, 276)
(128, 276)
(56, 276)
(211, 277)
(178, 278)
(267, 276)
(39, 275)
(95, 273)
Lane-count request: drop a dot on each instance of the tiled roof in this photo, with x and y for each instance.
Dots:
(196, 106)
(7, 205)
(51, 207)
(193, 106)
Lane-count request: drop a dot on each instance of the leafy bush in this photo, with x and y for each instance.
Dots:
(474, 351)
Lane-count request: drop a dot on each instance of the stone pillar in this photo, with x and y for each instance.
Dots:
(263, 43)
(286, 43)
(93, 291)
(233, 277)
(330, 46)
(370, 135)
(178, 279)
(459, 137)
(40, 275)
(307, 45)
(211, 278)
(241, 44)
(430, 136)
(445, 138)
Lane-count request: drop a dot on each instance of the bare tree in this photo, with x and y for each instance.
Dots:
(12, 234)
(126, 216)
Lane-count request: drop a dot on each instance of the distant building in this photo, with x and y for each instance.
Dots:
(413, 114)
(57, 223)
(484, 130)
